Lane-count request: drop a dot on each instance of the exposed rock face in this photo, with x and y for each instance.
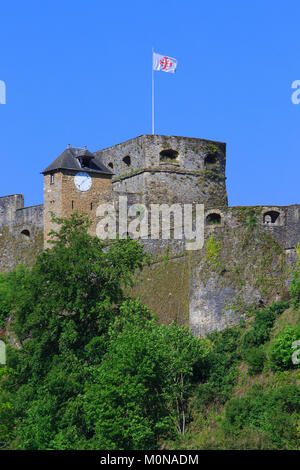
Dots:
(237, 271)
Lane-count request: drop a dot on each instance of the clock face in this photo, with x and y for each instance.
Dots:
(83, 181)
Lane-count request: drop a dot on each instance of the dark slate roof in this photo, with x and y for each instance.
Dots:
(69, 160)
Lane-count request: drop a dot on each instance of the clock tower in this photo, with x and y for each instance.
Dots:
(76, 181)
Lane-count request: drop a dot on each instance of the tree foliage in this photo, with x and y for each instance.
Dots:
(94, 369)
(281, 351)
(295, 283)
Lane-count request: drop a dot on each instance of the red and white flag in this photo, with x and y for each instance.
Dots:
(164, 63)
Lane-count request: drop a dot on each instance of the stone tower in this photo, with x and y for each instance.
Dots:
(168, 169)
(76, 180)
(147, 169)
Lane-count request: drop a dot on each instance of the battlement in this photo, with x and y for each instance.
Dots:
(21, 231)
(156, 151)
(160, 169)
(8, 207)
(13, 212)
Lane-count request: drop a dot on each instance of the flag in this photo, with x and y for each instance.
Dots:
(164, 63)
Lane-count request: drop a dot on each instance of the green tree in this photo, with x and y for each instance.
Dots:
(6, 408)
(74, 289)
(140, 391)
(11, 287)
(63, 309)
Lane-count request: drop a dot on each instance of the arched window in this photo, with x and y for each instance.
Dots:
(127, 160)
(25, 234)
(111, 165)
(168, 154)
(271, 217)
(213, 219)
(210, 159)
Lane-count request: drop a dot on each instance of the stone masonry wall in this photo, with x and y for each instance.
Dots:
(21, 232)
(248, 255)
(188, 178)
(245, 263)
(62, 197)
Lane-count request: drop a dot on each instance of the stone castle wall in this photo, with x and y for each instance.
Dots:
(144, 166)
(249, 264)
(21, 232)
(255, 246)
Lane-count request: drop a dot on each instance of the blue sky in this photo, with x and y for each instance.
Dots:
(80, 73)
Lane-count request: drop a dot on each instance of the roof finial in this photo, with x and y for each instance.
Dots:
(69, 146)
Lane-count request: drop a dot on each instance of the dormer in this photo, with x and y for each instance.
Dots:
(84, 158)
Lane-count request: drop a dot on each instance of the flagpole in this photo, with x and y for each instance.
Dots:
(152, 95)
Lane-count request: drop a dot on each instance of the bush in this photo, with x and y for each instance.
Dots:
(281, 350)
(295, 284)
(295, 289)
(262, 325)
(274, 413)
(255, 359)
(222, 371)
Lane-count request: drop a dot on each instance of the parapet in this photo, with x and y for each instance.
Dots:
(21, 232)
(169, 169)
(8, 207)
(157, 151)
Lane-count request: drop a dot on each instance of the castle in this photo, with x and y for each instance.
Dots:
(250, 267)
